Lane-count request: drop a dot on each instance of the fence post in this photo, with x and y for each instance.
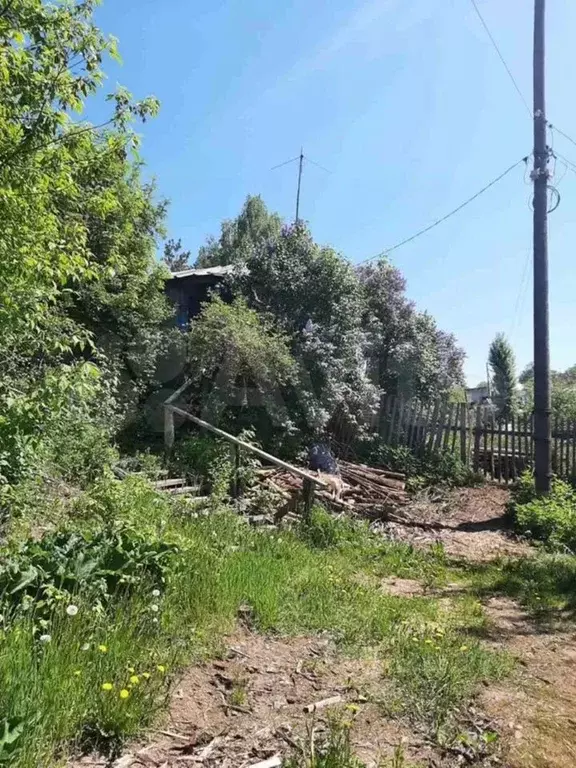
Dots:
(308, 497)
(463, 430)
(477, 435)
(168, 429)
(236, 471)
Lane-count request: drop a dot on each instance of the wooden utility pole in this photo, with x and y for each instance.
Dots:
(540, 176)
(301, 163)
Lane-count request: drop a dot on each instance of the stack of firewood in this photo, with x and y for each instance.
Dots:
(370, 492)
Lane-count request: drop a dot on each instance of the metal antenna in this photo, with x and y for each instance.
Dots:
(300, 160)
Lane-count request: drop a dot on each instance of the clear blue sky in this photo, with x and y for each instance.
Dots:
(405, 101)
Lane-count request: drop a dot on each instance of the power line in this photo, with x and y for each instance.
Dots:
(555, 128)
(520, 298)
(501, 57)
(447, 216)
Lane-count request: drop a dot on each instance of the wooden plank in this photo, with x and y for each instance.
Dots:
(169, 431)
(555, 445)
(499, 423)
(433, 424)
(492, 444)
(448, 426)
(248, 447)
(393, 409)
(423, 431)
(477, 434)
(506, 454)
(485, 431)
(400, 421)
(175, 395)
(455, 427)
(463, 430)
(437, 442)
(513, 441)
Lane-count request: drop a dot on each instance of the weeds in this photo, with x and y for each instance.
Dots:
(323, 579)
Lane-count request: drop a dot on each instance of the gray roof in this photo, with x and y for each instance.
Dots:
(219, 271)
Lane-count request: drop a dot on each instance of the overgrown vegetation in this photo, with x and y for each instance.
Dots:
(550, 518)
(91, 642)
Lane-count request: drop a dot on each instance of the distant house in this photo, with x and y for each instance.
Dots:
(189, 288)
(478, 395)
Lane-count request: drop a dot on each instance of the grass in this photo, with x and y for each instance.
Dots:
(321, 579)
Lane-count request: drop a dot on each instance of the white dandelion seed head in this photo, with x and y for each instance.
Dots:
(72, 610)
(154, 608)
(85, 647)
(45, 638)
(155, 593)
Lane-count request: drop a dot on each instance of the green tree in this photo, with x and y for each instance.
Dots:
(408, 354)
(50, 62)
(240, 237)
(503, 364)
(175, 257)
(240, 366)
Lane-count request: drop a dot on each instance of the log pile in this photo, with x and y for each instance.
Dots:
(370, 492)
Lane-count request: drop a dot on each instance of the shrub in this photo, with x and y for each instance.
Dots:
(550, 518)
(442, 468)
(41, 574)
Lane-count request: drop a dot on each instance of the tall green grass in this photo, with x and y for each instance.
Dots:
(322, 579)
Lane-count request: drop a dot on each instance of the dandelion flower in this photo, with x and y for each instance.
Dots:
(124, 693)
(103, 648)
(134, 679)
(154, 608)
(107, 686)
(155, 593)
(161, 668)
(463, 648)
(78, 672)
(72, 610)
(146, 675)
(45, 638)
(131, 670)
(428, 641)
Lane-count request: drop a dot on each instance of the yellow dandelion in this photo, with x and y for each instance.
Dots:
(134, 679)
(463, 648)
(124, 693)
(437, 648)
(161, 668)
(78, 672)
(103, 648)
(146, 675)
(131, 670)
(107, 686)
(428, 641)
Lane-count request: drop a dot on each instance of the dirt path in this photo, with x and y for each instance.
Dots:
(249, 706)
(470, 523)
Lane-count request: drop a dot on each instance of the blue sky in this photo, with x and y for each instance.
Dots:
(407, 104)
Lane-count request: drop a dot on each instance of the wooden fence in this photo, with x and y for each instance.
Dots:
(501, 450)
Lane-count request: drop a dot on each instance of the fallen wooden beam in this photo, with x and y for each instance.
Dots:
(329, 702)
(247, 446)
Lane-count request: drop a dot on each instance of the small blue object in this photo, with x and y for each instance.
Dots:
(321, 458)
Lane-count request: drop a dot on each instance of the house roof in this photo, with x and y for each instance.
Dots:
(219, 271)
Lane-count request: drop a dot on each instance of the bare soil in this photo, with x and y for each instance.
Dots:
(470, 523)
(248, 706)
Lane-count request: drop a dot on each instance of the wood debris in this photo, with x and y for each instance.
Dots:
(371, 492)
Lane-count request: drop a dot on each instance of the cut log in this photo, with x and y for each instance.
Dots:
(329, 702)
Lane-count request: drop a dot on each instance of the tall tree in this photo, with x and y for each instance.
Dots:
(175, 257)
(240, 237)
(407, 353)
(503, 365)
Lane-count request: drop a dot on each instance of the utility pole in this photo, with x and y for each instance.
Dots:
(540, 176)
(301, 163)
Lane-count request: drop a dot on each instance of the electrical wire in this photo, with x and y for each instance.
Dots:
(501, 57)
(521, 297)
(447, 216)
(555, 128)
